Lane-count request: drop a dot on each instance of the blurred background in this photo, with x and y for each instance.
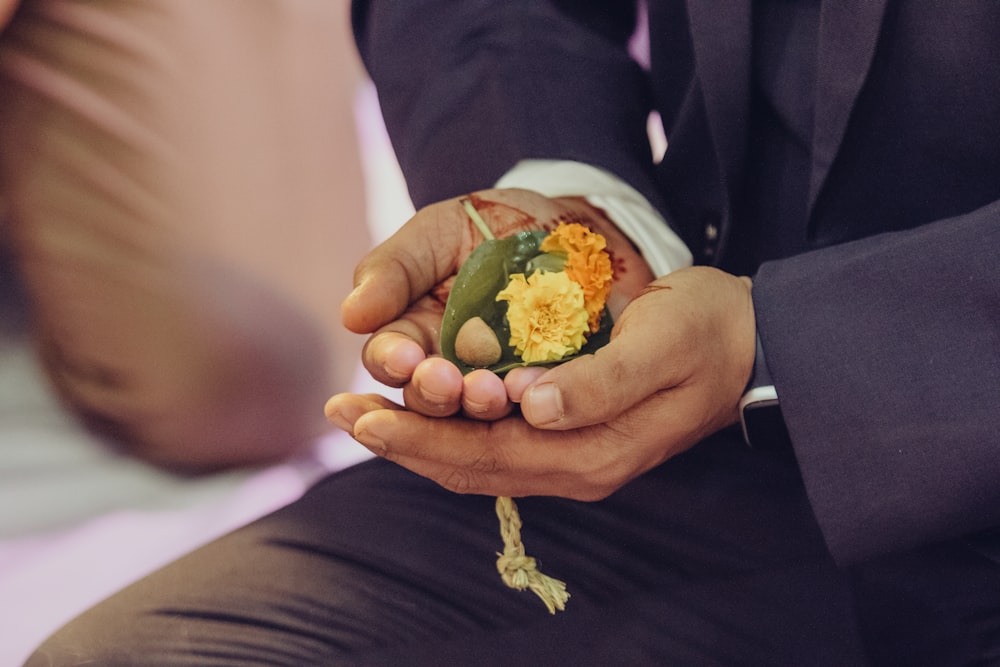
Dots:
(268, 255)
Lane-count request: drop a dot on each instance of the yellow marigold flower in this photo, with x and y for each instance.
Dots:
(546, 315)
(587, 264)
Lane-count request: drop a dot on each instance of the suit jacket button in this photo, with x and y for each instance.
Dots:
(710, 226)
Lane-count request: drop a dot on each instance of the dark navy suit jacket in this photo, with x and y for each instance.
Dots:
(883, 337)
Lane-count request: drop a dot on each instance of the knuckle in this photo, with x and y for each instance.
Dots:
(486, 462)
(612, 371)
(471, 476)
(608, 470)
(458, 480)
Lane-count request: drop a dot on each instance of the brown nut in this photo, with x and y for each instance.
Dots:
(476, 344)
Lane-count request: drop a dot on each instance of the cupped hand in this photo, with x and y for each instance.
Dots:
(402, 286)
(673, 373)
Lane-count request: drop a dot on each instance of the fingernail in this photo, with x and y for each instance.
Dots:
(400, 360)
(336, 414)
(343, 410)
(373, 442)
(543, 404)
(475, 407)
(355, 293)
(437, 400)
(338, 419)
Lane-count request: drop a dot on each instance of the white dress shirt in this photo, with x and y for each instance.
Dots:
(662, 249)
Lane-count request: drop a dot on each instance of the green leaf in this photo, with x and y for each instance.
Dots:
(482, 276)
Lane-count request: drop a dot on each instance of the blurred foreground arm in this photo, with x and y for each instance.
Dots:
(173, 174)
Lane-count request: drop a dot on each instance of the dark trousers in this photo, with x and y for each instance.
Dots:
(711, 559)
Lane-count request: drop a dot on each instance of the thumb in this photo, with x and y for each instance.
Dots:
(592, 389)
(691, 330)
(409, 264)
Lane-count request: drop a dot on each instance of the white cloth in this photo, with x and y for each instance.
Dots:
(78, 520)
(662, 249)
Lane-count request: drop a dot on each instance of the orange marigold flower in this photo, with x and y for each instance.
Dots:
(587, 264)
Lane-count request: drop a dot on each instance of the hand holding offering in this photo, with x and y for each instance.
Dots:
(492, 282)
(534, 298)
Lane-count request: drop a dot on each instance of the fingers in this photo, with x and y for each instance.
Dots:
(433, 386)
(673, 372)
(424, 252)
(505, 457)
(435, 389)
(484, 396)
(639, 361)
(400, 292)
(593, 389)
(432, 245)
(392, 356)
(692, 330)
(510, 457)
(519, 379)
(342, 410)
(402, 285)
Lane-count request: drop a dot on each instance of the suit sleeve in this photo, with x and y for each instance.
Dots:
(469, 89)
(886, 356)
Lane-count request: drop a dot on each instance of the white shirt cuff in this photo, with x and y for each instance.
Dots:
(660, 246)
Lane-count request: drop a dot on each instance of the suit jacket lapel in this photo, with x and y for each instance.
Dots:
(721, 35)
(848, 32)
(721, 40)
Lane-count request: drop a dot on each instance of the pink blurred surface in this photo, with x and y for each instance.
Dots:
(78, 521)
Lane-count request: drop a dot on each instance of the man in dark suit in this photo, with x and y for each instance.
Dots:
(847, 156)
